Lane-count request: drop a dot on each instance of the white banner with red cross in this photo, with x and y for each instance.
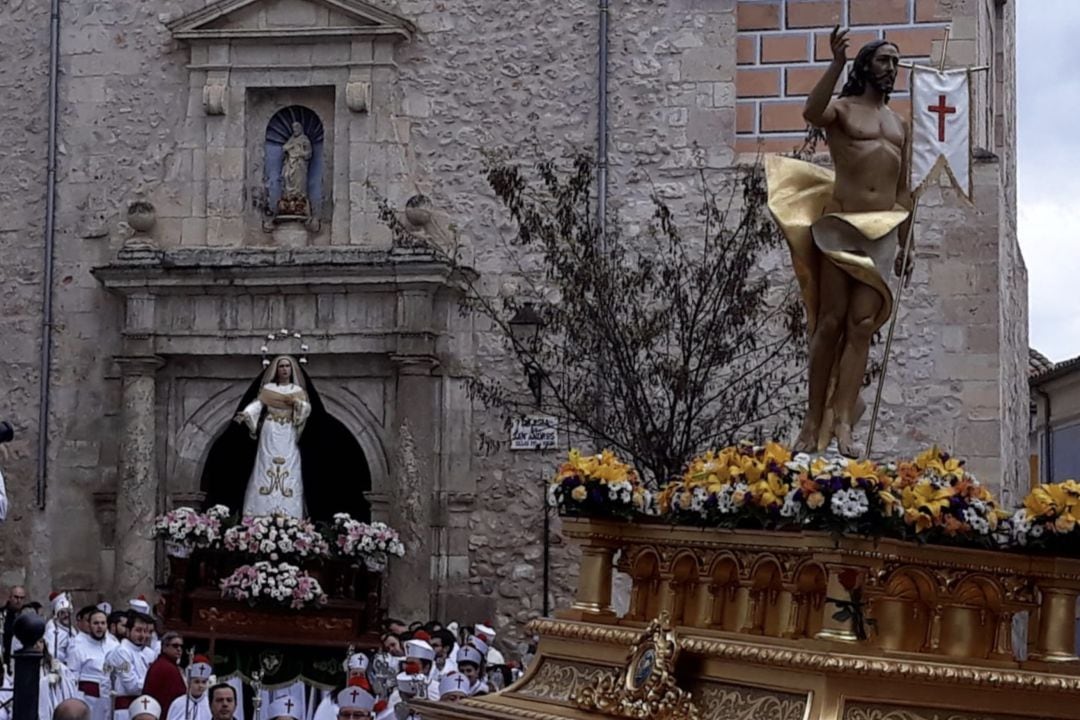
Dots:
(941, 127)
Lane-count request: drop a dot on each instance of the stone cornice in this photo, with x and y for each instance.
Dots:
(371, 21)
(243, 270)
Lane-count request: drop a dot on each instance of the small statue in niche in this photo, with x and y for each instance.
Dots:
(294, 174)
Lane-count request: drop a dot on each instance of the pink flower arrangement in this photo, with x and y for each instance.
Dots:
(370, 543)
(282, 584)
(276, 537)
(184, 528)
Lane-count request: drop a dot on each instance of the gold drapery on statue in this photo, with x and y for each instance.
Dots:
(862, 244)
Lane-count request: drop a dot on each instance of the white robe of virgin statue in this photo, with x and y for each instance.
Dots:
(276, 485)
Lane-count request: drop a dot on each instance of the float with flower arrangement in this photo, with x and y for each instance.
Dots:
(275, 578)
(768, 585)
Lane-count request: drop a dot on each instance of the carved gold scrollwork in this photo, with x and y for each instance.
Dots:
(560, 681)
(867, 711)
(647, 688)
(734, 702)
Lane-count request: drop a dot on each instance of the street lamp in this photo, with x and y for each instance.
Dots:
(525, 327)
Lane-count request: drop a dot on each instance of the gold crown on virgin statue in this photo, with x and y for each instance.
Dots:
(284, 335)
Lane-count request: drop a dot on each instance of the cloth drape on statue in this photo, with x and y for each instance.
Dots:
(862, 244)
(276, 483)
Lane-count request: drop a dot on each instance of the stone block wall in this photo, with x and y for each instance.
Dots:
(478, 74)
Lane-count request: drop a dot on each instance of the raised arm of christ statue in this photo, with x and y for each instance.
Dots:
(854, 232)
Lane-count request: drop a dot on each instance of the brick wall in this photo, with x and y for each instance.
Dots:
(783, 48)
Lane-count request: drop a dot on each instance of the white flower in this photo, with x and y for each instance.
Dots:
(850, 503)
(791, 505)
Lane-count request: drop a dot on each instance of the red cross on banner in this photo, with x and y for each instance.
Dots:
(942, 111)
(941, 127)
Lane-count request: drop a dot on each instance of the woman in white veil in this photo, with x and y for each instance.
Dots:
(277, 417)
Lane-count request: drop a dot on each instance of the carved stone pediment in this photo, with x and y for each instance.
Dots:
(289, 19)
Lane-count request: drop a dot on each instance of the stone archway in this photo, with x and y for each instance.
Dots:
(192, 446)
(331, 452)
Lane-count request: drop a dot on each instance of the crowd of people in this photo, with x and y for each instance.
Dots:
(122, 664)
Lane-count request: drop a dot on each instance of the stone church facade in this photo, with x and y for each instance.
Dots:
(157, 322)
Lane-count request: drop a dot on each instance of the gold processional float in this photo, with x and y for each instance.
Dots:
(770, 624)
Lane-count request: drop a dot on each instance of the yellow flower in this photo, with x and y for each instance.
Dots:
(920, 520)
(932, 461)
(747, 469)
(770, 490)
(891, 501)
(861, 470)
(1053, 499)
(579, 493)
(815, 500)
(775, 452)
(1065, 524)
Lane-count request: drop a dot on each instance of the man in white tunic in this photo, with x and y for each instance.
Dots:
(129, 663)
(58, 631)
(195, 705)
(355, 667)
(153, 644)
(277, 419)
(56, 684)
(87, 663)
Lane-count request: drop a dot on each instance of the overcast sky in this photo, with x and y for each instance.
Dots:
(1048, 105)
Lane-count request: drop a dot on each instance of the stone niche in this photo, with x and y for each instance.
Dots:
(258, 65)
(270, 113)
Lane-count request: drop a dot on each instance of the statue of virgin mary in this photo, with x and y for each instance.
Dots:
(285, 453)
(277, 417)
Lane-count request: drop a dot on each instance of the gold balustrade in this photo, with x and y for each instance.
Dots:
(807, 626)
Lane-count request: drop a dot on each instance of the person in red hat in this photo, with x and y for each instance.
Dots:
(164, 681)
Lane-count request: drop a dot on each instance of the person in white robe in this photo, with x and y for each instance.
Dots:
(276, 484)
(153, 645)
(128, 662)
(355, 701)
(419, 651)
(59, 632)
(453, 687)
(87, 663)
(469, 662)
(5, 693)
(487, 635)
(56, 685)
(145, 707)
(355, 667)
(195, 705)
(296, 692)
(284, 709)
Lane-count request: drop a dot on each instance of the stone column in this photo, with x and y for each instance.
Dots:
(410, 591)
(137, 490)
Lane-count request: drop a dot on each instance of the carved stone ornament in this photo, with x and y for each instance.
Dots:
(358, 96)
(647, 688)
(213, 97)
